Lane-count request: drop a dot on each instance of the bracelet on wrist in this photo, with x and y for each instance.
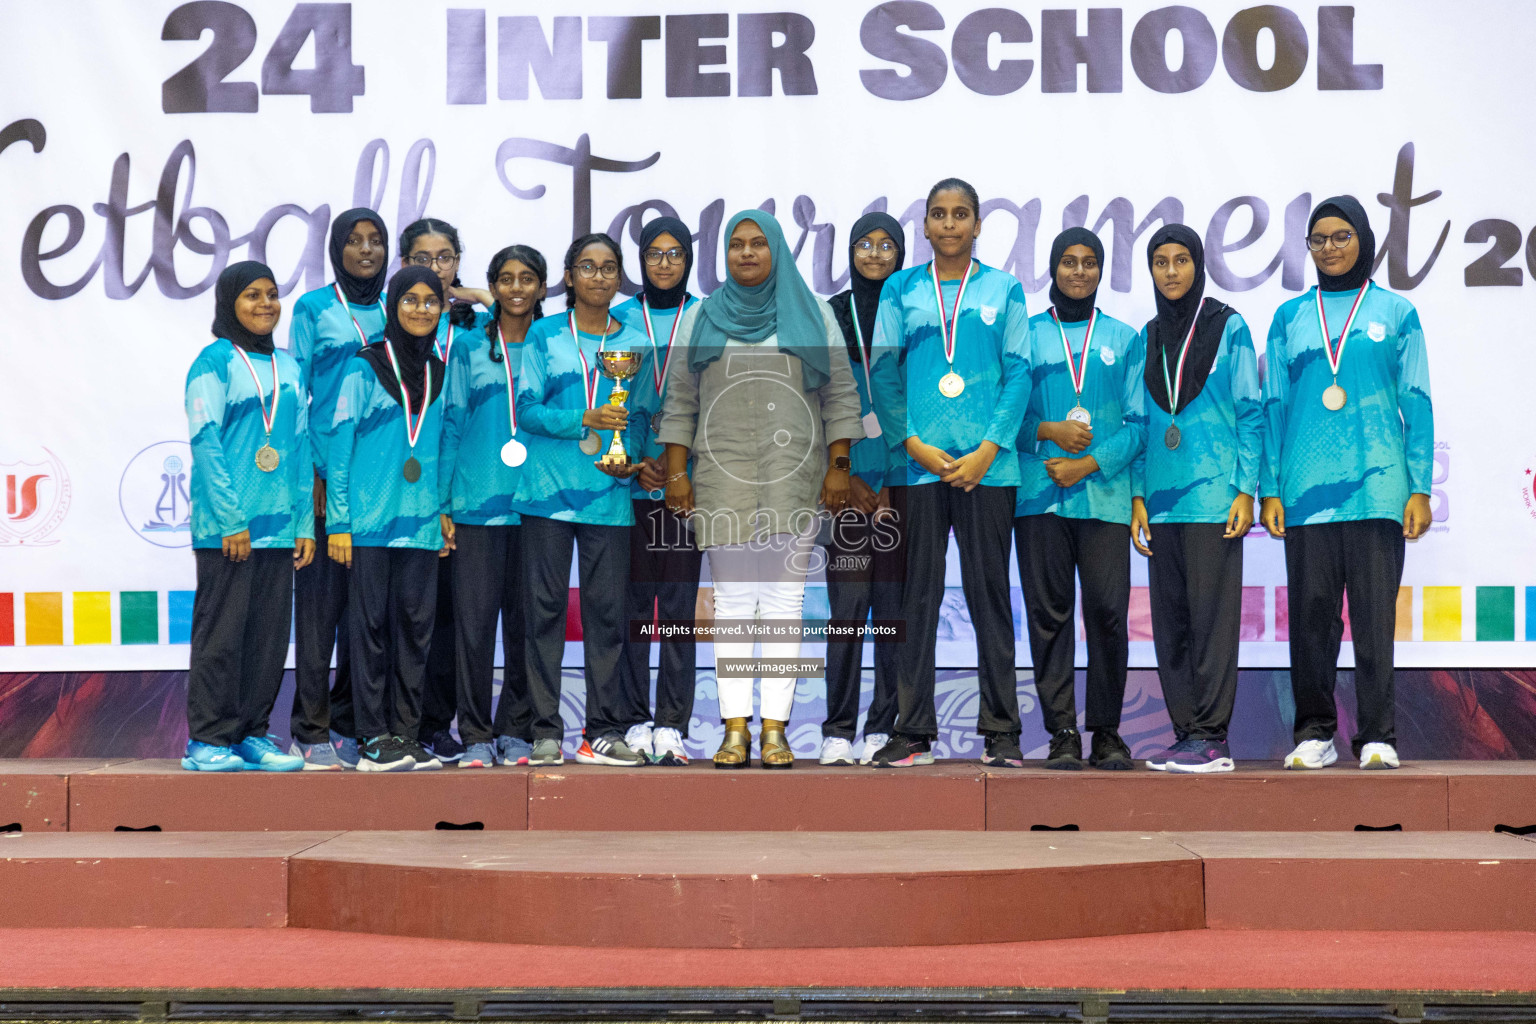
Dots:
(678, 476)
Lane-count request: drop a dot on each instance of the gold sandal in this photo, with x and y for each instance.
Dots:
(776, 752)
(736, 746)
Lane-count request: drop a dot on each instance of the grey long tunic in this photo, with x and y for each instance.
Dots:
(758, 438)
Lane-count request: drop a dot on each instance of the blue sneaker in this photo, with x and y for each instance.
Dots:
(205, 757)
(346, 749)
(262, 754)
(478, 755)
(318, 757)
(511, 750)
(1204, 756)
(1158, 762)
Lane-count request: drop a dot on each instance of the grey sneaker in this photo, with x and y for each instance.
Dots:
(610, 749)
(511, 750)
(478, 755)
(318, 757)
(546, 752)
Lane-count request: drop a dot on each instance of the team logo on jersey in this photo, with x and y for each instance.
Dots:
(989, 315)
(1108, 355)
(1377, 332)
(37, 494)
(154, 494)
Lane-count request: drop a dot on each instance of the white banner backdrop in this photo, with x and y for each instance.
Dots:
(146, 145)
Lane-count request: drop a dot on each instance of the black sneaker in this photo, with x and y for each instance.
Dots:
(904, 752)
(1110, 752)
(383, 754)
(423, 759)
(1003, 751)
(1066, 751)
(443, 746)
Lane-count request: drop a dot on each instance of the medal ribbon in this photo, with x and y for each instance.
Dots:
(1337, 358)
(277, 391)
(588, 376)
(348, 310)
(506, 365)
(1177, 383)
(952, 325)
(411, 435)
(443, 347)
(858, 335)
(659, 363)
(1079, 374)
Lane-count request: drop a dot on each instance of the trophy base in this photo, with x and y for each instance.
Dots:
(620, 460)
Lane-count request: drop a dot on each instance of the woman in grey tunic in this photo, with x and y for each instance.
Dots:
(764, 402)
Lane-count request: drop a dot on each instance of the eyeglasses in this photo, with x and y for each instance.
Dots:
(1339, 238)
(653, 257)
(609, 269)
(422, 259)
(885, 250)
(409, 303)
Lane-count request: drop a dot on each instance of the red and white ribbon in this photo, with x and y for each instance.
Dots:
(341, 298)
(1336, 357)
(411, 434)
(659, 363)
(506, 365)
(951, 325)
(1079, 373)
(277, 392)
(1177, 384)
(588, 376)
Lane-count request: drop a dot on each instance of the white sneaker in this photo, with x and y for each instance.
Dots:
(638, 738)
(667, 747)
(1312, 754)
(1378, 755)
(836, 750)
(873, 741)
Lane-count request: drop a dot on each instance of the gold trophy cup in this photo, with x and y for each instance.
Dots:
(617, 367)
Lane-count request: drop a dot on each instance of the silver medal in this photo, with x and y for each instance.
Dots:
(1080, 415)
(1172, 436)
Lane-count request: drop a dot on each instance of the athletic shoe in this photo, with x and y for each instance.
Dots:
(262, 754)
(667, 748)
(347, 751)
(608, 749)
(205, 757)
(1201, 758)
(1110, 752)
(478, 755)
(318, 757)
(1158, 762)
(1311, 754)
(638, 739)
(545, 752)
(426, 761)
(511, 750)
(1378, 755)
(1066, 751)
(873, 741)
(836, 750)
(384, 754)
(443, 747)
(1003, 752)
(904, 752)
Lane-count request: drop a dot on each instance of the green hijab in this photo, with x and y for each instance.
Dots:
(783, 305)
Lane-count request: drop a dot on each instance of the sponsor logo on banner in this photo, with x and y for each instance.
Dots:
(154, 494)
(1528, 490)
(1439, 493)
(37, 494)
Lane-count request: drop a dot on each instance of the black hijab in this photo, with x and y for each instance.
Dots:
(863, 298)
(360, 291)
(235, 279)
(1068, 309)
(1166, 331)
(1347, 208)
(414, 354)
(666, 298)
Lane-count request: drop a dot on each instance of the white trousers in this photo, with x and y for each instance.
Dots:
(759, 582)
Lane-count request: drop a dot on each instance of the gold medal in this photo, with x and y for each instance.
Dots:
(591, 443)
(267, 458)
(1334, 398)
(951, 384)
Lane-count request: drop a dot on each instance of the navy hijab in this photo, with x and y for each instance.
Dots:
(863, 297)
(235, 279)
(414, 354)
(666, 298)
(1166, 331)
(1347, 208)
(360, 291)
(1068, 309)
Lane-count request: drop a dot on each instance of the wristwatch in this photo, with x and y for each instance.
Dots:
(842, 463)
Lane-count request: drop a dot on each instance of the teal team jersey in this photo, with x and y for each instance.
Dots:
(991, 355)
(642, 389)
(1113, 396)
(1364, 460)
(324, 334)
(366, 493)
(1221, 441)
(477, 425)
(559, 480)
(225, 421)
